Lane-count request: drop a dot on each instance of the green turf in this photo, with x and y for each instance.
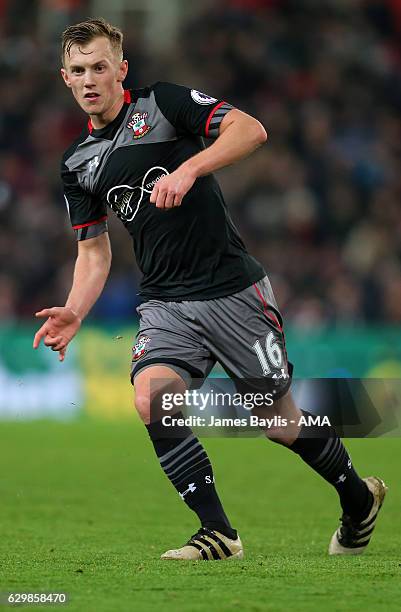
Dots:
(85, 509)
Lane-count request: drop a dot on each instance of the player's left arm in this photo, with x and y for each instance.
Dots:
(239, 135)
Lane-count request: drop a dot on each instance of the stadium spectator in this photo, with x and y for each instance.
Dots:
(324, 78)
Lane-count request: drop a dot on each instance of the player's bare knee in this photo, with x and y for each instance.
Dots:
(281, 436)
(151, 387)
(148, 406)
(142, 405)
(286, 407)
(285, 425)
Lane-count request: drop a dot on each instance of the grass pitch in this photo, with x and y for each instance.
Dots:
(85, 509)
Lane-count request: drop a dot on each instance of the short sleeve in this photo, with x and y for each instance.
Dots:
(191, 110)
(88, 214)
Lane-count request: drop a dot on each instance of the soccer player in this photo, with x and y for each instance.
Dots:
(206, 299)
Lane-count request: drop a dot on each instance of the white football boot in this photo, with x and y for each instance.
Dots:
(207, 545)
(352, 537)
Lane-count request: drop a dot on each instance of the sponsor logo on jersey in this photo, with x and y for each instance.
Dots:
(201, 98)
(126, 200)
(138, 125)
(139, 349)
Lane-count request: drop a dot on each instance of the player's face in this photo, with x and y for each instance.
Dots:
(95, 74)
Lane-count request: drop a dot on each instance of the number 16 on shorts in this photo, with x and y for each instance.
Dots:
(270, 356)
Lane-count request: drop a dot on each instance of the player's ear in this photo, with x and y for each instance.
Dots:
(65, 76)
(122, 72)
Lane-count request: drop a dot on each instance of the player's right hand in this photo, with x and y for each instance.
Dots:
(61, 326)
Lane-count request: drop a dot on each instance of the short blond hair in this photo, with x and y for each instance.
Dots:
(84, 32)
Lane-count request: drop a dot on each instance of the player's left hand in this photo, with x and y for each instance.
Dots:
(169, 191)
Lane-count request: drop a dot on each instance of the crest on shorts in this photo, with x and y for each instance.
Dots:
(138, 124)
(139, 349)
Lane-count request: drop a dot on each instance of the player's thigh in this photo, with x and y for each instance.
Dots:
(152, 384)
(245, 333)
(167, 352)
(166, 336)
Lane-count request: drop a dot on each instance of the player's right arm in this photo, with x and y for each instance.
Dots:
(88, 218)
(91, 271)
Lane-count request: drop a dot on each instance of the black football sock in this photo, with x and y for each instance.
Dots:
(186, 464)
(321, 448)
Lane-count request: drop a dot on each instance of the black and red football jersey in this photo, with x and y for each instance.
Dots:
(191, 252)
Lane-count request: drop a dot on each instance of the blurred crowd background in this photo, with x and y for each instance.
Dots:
(319, 205)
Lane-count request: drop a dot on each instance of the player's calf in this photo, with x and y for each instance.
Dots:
(181, 455)
(321, 448)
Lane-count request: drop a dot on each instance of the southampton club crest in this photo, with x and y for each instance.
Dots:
(139, 349)
(138, 125)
